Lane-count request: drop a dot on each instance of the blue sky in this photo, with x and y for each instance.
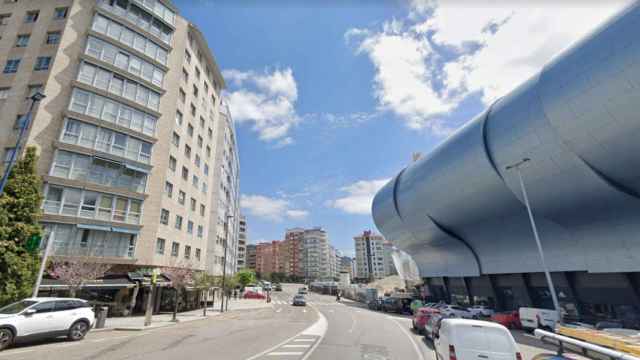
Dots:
(331, 101)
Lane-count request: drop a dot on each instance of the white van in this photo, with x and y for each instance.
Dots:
(534, 318)
(463, 339)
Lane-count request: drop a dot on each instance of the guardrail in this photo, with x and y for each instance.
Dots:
(565, 343)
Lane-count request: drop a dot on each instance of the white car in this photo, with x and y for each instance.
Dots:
(534, 318)
(455, 311)
(481, 311)
(45, 317)
(464, 339)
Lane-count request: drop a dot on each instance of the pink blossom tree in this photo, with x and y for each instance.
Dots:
(181, 275)
(76, 273)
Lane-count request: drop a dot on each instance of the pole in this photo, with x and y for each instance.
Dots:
(151, 296)
(552, 289)
(17, 150)
(224, 260)
(43, 263)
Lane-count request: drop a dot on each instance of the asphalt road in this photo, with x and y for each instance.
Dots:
(322, 330)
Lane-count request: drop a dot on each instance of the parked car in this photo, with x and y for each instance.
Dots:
(480, 311)
(277, 287)
(432, 324)
(375, 304)
(464, 339)
(45, 317)
(508, 319)
(421, 317)
(395, 305)
(299, 300)
(535, 318)
(456, 311)
(302, 291)
(251, 294)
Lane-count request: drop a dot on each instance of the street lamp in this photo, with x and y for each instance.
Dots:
(24, 125)
(554, 298)
(224, 259)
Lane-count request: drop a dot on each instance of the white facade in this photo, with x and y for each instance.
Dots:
(316, 254)
(242, 243)
(372, 261)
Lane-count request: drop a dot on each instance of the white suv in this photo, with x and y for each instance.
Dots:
(45, 317)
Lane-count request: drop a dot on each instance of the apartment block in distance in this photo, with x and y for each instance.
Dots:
(129, 132)
(242, 243)
(372, 257)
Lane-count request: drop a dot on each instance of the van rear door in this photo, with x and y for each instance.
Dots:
(470, 342)
(500, 344)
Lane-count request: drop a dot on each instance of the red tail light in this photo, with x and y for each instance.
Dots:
(518, 356)
(452, 353)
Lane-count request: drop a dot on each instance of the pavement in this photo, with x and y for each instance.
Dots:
(255, 330)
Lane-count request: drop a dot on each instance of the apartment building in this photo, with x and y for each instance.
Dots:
(135, 144)
(268, 257)
(373, 258)
(316, 253)
(251, 256)
(291, 250)
(242, 243)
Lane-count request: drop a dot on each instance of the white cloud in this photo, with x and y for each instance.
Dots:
(267, 100)
(441, 53)
(271, 208)
(358, 197)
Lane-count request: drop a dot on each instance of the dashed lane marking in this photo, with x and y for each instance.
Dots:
(284, 353)
(300, 340)
(296, 346)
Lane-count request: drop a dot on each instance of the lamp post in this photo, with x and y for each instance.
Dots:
(24, 126)
(224, 259)
(554, 297)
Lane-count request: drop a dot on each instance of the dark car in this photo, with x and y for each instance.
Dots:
(299, 300)
(277, 287)
(375, 304)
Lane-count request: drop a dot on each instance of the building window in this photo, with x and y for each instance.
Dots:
(208, 151)
(53, 38)
(193, 110)
(187, 57)
(202, 209)
(164, 217)
(160, 246)
(175, 249)
(4, 93)
(205, 188)
(193, 204)
(197, 73)
(197, 254)
(206, 169)
(4, 19)
(200, 231)
(195, 91)
(182, 196)
(8, 153)
(195, 181)
(178, 118)
(178, 224)
(34, 89)
(187, 151)
(189, 227)
(190, 130)
(60, 13)
(185, 173)
(185, 75)
(201, 122)
(175, 139)
(11, 67)
(210, 133)
(22, 40)
(172, 163)
(168, 189)
(197, 161)
(200, 141)
(31, 16)
(187, 252)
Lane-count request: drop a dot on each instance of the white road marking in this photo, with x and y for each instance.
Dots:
(413, 342)
(304, 340)
(17, 352)
(296, 346)
(304, 310)
(281, 353)
(278, 310)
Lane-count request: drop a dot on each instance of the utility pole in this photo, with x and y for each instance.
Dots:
(24, 126)
(224, 260)
(43, 262)
(552, 289)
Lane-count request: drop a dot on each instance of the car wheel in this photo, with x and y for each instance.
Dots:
(6, 338)
(78, 330)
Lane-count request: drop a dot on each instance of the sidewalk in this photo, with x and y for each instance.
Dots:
(136, 323)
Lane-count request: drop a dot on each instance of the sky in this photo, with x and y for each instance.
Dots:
(331, 98)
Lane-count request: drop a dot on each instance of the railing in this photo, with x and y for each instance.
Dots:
(89, 212)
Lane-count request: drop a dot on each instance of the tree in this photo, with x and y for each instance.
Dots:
(246, 277)
(180, 275)
(19, 222)
(76, 273)
(204, 282)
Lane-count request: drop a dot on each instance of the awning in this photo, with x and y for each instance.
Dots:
(125, 230)
(120, 282)
(94, 227)
(136, 168)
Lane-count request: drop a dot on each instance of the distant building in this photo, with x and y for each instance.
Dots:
(389, 265)
(371, 257)
(251, 256)
(268, 257)
(242, 243)
(345, 264)
(316, 254)
(291, 252)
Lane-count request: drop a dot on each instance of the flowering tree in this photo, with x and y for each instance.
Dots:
(76, 273)
(181, 275)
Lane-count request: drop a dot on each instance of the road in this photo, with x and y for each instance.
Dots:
(324, 329)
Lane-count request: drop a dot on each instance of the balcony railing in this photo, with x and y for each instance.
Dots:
(91, 212)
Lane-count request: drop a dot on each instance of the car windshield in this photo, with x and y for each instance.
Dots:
(17, 307)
